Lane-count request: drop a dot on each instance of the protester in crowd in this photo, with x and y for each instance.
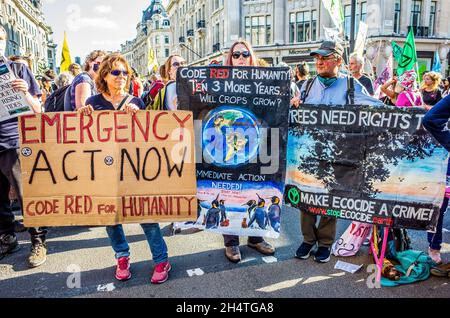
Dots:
(75, 69)
(403, 91)
(356, 66)
(406, 88)
(446, 87)
(435, 121)
(294, 91)
(21, 59)
(263, 63)
(55, 102)
(112, 83)
(83, 86)
(301, 74)
(431, 93)
(136, 86)
(10, 172)
(241, 54)
(166, 99)
(47, 89)
(329, 87)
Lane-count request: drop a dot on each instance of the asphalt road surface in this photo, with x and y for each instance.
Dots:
(81, 264)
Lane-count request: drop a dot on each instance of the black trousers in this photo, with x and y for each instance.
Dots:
(10, 175)
(233, 240)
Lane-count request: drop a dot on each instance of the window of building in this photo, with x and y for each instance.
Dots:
(416, 11)
(167, 53)
(258, 30)
(166, 39)
(361, 15)
(303, 26)
(432, 17)
(157, 39)
(397, 14)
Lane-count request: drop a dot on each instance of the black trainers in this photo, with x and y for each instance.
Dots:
(323, 254)
(8, 245)
(304, 251)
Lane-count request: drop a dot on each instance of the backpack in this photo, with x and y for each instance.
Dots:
(159, 102)
(414, 266)
(55, 102)
(149, 97)
(398, 241)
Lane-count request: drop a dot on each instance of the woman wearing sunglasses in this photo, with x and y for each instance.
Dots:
(167, 99)
(241, 54)
(112, 82)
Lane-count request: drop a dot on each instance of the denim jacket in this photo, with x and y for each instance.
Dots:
(436, 120)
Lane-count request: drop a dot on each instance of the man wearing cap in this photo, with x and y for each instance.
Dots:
(329, 87)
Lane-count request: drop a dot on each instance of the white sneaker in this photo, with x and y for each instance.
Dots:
(435, 255)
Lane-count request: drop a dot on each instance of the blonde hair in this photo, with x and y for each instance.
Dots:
(165, 71)
(92, 57)
(435, 77)
(253, 58)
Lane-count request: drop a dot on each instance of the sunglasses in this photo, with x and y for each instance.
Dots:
(178, 64)
(237, 54)
(118, 72)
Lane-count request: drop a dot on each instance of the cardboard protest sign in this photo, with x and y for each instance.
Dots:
(108, 168)
(241, 133)
(372, 165)
(12, 102)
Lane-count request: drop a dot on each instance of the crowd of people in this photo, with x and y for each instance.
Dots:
(107, 82)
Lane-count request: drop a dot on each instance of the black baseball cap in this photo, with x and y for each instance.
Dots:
(328, 48)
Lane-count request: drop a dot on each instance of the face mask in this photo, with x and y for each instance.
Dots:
(2, 47)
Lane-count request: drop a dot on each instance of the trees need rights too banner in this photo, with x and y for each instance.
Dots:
(373, 165)
(107, 168)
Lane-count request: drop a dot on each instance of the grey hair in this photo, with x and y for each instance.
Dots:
(64, 79)
(358, 58)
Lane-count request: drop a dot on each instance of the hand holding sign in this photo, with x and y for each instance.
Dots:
(20, 85)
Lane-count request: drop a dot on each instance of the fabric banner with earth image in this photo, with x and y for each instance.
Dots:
(374, 165)
(240, 119)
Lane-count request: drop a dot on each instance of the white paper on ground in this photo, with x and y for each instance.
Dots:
(348, 267)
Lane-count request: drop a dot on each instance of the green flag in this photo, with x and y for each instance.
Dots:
(408, 59)
(397, 51)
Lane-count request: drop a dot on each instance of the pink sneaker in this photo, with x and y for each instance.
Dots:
(435, 255)
(123, 269)
(161, 273)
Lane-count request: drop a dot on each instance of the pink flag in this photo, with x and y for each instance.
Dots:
(384, 76)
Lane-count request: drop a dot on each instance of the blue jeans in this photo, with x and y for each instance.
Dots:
(435, 239)
(154, 238)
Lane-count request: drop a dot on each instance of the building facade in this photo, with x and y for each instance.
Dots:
(153, 34)
(28, 35)
(287, 30)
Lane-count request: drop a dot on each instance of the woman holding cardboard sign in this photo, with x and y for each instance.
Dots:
(112, 83)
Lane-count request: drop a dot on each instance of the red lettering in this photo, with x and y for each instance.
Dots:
(107, 130)
(66, 129)
(135, 122)
(28, 210)
(181, 122)
(68, 202)
(155, 123)
(119, 127)
(24, 129)
(190, 208)
(86, 127)
(45, 119)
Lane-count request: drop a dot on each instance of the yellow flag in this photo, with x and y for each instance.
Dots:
(152, 63)
(66, 60)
